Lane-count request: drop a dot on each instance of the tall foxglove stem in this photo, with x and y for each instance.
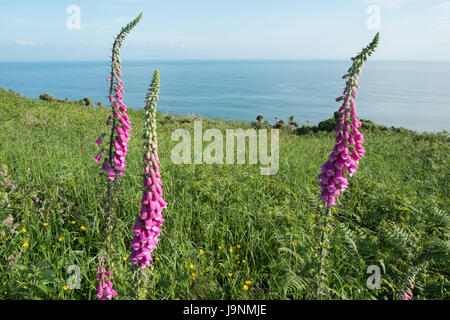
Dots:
(325, 245)
(147, 228)
(348, 149)
(345, 157)
(115, 162)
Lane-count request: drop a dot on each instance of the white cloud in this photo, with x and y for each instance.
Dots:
(441, 15)
(441, 6)
(30, 43)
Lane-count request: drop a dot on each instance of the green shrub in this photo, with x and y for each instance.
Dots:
(47, 97)
(306, 130)
(88, 102)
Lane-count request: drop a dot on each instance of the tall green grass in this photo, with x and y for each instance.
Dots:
(228, 222)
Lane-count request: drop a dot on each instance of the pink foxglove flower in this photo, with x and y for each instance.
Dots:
(148, 225)
(348, 149)
(408, 294)
(99, 141)
(105, 288)
(121, 127)
(98, 156)
(118, 144)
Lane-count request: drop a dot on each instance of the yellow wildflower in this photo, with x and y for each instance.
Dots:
(202, 251)
(192, 266)
(26, 244)
(65, 288)
(83, 228)
(238, 246)
(125, 258)
(249, 282)
(24, 230)
(245, 287)
(220, 247)
(231, 250)
(45, 224)
(73, 222)
(230, 274)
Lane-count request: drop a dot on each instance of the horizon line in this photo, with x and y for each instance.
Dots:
(220, 59)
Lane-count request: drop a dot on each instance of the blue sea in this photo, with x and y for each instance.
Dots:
(413, 95)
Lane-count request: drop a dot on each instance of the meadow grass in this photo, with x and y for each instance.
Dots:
(225, 224)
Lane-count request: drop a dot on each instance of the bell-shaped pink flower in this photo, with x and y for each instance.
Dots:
(98, 156)
(100, 291)
(111, 173)
(99, 140)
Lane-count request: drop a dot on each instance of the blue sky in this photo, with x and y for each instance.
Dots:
(231, 29)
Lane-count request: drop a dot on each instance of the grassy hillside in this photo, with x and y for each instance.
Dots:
(227, 221)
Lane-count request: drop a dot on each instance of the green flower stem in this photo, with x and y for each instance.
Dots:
(115, 67)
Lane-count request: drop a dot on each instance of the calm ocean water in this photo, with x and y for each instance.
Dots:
(414, 95)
